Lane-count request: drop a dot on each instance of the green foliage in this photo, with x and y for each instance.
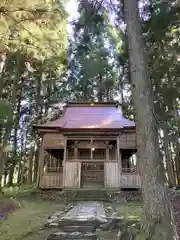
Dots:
(92, 70)
(36, 29)
(5, 109)
(33, 61)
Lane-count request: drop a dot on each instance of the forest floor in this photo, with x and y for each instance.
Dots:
(29, 213)
(22, 215)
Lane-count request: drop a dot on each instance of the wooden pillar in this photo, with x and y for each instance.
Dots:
(76, 151)
(64, 160)
(107, 151)
(65, 149)
(118, 150)
(40, 163)
(119, 159)
(91, 148)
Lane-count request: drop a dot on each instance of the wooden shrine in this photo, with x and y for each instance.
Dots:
(90, 146)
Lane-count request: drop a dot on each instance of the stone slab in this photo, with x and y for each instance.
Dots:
(72, 236)
(83, 229)
(86, 211)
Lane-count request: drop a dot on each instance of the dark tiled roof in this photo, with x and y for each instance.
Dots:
(90, 117)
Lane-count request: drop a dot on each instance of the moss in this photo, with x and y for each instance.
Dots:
(27, 220)
(24, 191)
(130, 210)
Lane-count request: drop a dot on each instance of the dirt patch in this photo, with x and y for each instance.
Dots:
(7, 206)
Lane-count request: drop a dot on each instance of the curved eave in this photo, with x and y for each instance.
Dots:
(40, 127)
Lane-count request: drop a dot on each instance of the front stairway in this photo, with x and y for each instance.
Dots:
(91, 195)
(80, 222)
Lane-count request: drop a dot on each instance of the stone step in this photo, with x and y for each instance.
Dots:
(78, 199)
(91, 195)
(72, 236)
(69, 222)
(94, 223)
(83, 229)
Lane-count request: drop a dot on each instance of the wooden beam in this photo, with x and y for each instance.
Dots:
(94, 132)
(89, 137)
(90, 160)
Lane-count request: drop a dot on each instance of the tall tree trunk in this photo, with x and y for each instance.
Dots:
(168, 157)
(157, 215)
(9, 122)
(36, 162)
(177, 147)
(14, 153)
(100, 89)
(5, 59)
(30, 170)
(17, 117)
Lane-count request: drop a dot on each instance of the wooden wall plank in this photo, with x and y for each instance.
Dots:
(53, 141)
(71, 174)
(130, 181)
(51, 180)
(127, 141)
(112, 175)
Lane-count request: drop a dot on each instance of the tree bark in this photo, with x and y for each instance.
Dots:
(177, 145)
(168, 157)
(15, 139)
(156, 217)
(36, 162)
(30, 170)
(9, 122)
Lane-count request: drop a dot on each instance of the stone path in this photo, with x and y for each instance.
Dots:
(85, 211)
(83, 221)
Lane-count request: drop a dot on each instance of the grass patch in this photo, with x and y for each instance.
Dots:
(27, 220)
(24, 191)
(130, 210)
(127, 210)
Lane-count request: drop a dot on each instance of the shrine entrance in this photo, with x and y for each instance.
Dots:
(92, 174)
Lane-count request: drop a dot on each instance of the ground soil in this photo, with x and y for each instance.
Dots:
(7, 206)
(37, 210)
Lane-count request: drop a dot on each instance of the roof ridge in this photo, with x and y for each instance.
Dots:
(93, 104)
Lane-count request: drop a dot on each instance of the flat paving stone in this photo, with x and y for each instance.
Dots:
(72, 236)
(86, 211)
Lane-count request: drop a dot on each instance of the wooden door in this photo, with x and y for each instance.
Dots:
(112, 175)
(71, 174)
(92, 174)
